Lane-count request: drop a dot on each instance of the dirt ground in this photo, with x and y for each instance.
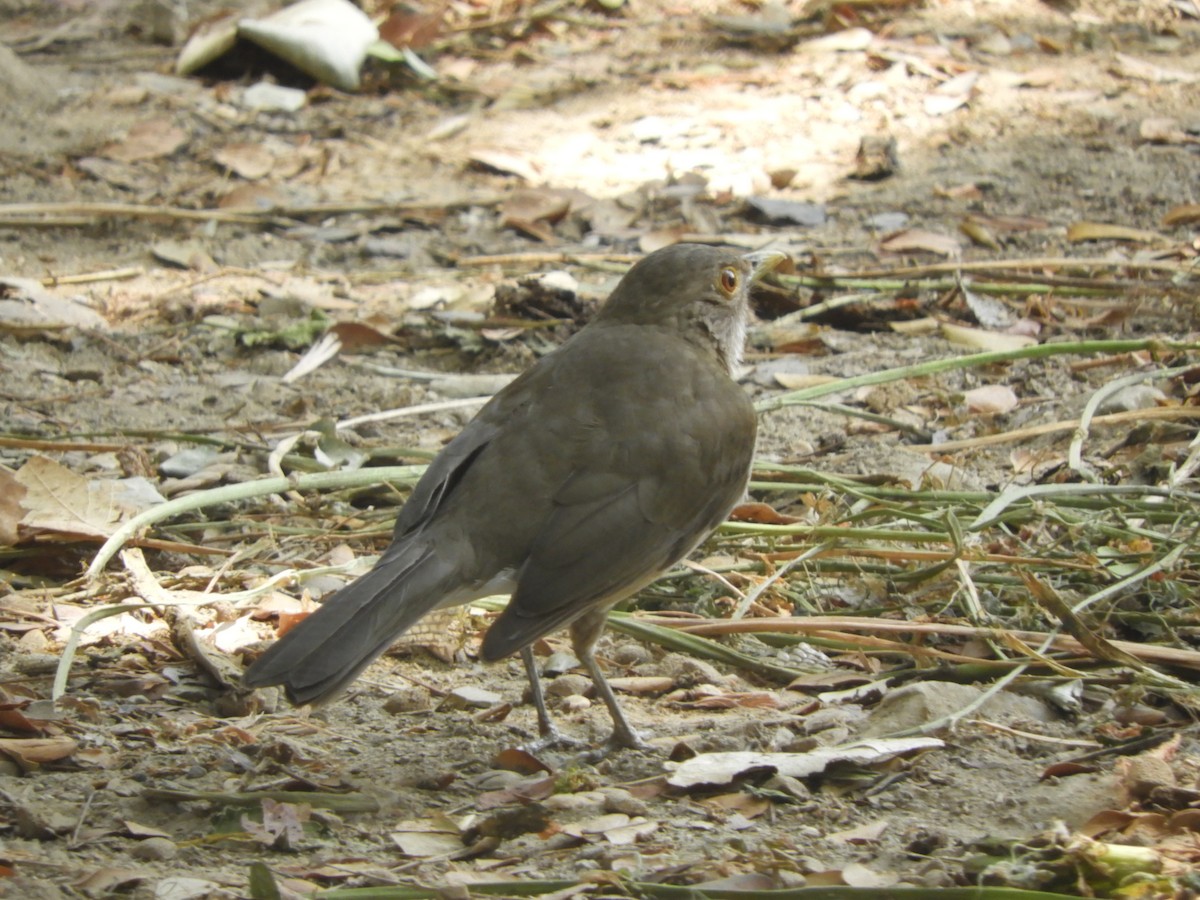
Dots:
(218, 240)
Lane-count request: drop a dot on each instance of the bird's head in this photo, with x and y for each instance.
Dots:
(701, 291)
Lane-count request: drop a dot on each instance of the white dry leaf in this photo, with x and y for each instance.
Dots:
(26, 307)
(978, 339)
(506, 163)
(424, 838)
(991, 399)
(637, 829)
(723, 768)
(988, 311)
(1132, 67)
(326, 348)
(327, 39)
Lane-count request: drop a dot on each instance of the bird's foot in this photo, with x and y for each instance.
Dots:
(625, 738)
(553, 739)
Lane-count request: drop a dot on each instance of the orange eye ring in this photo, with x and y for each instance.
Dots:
(728, 279)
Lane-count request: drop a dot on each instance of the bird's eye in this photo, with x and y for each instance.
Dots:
(728, 279)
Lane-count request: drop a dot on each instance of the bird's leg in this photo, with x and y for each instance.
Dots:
(545, 724)
(549, 735)
(584, 634)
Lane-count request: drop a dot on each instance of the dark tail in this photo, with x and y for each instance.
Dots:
(325, 652)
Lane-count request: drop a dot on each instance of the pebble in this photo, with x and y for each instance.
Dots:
(154, 848)
(619, 800)
(567, 685)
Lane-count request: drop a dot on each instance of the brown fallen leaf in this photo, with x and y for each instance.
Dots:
(760, 513)
(740, 802)
(29, 753)
(405, 28)
(523, 792)
(520, 761)
(151, 139)
(1079, 232)
(60, 504)
(1183, 214)
(11, 511)
(920, 239)
(251, 161)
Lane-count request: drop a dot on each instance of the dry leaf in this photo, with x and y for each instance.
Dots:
(505, 164)
(913, 239)
(740, 802)
(520, 761)
(138, 830)
(762, 513)
(110, 880)
(29, 753)
(282, 824)
(11, 511)
(151, 139)
(923, 325)
(404, 28)
(327, 39)
(250, 161)
(28, 308)
(535, 205)
(978, 339)
(254, 197)
(794, 381)
(1132, 67)
(1184, 214)
(1099, 231)
(60, 503)
(991, 399)
(722, 768)
(979, 233)
(437, 836)
(1012, 223)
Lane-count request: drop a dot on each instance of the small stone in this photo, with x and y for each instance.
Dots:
(589, 801)
(154, 848)
(566, 685)
(781, 178)
(619, 800)
(630, 653)
(574, 703)
(408, 700)
(687, 671)
(273, 97)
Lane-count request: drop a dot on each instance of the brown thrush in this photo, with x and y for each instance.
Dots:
(578, 484)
